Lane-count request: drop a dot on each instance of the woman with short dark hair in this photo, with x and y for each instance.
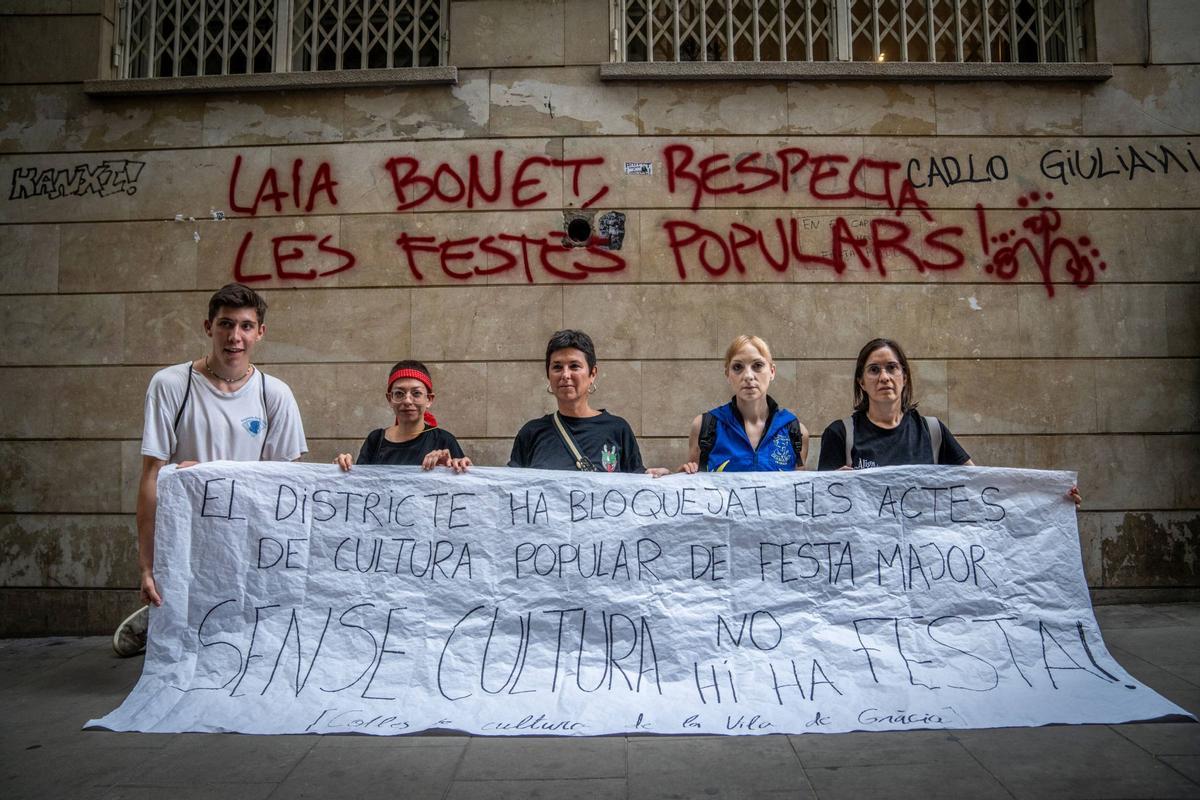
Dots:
(414, 439)
(576, 436)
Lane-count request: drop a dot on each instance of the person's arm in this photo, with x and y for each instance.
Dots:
(285, 429)
(955, 450)
(345, 460)
(952, 452)
(147, 507)
(692, 466)
(520, 456)
(833, 448)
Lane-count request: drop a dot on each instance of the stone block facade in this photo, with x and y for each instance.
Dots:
(831, 212)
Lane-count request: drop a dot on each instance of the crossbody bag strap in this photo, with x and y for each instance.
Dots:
(581, 461)
(848, 422)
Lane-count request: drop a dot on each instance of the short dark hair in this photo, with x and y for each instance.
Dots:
(861, 401)
(235, 295)
(571, 340)
(409, 363)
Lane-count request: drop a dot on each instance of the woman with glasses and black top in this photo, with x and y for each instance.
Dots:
(885, 429)
(576, 436)
(415, 439)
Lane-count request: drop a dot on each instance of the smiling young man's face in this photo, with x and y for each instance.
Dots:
(234, 333)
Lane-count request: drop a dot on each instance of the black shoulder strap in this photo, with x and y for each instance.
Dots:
(187, 392)
(266, 415)
(797, 437)
(708, 438)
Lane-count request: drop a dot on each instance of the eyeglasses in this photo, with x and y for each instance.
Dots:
(893, 370)
(398, 395)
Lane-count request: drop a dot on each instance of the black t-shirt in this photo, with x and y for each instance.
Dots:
(907, 443)
(378, 450)
(606, 440)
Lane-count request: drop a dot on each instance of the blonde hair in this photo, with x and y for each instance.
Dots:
(741, 341)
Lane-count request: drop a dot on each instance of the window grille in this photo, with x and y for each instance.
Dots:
(985, 31)
(178, 38)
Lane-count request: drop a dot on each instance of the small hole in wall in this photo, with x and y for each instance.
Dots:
(579, 230)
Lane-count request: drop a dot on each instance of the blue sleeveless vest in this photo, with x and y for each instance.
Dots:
(732, 451)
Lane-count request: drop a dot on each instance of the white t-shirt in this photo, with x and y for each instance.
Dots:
(216, 426)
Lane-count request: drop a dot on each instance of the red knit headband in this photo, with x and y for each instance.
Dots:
(410, 373)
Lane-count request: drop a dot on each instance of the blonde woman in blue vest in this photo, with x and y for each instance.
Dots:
(750, 433)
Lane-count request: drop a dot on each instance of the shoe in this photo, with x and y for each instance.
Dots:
(130, 638)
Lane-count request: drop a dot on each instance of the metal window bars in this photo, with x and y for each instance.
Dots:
(851, 30)
(177, 38)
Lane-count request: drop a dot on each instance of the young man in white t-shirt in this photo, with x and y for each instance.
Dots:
(218, 407)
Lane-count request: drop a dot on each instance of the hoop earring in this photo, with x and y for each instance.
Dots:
(592, 388)
(548, 389)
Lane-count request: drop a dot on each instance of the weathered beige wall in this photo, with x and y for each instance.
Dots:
(104, 284)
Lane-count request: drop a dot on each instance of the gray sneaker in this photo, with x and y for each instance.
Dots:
(130, 638)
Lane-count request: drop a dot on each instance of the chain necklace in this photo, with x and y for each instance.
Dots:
(229, 381)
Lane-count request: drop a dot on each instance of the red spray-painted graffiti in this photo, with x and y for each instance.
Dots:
(1041, 245)
(903, 235)
(446, 183)
(322, 182)
(504, 252)
(888, 241)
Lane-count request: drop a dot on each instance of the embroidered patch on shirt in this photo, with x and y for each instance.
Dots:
(781, 448)
(254, 425)
(609, 457)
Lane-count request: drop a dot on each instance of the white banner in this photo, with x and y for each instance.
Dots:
(387, 600)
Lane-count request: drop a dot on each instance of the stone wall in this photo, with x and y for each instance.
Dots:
(1076, 349)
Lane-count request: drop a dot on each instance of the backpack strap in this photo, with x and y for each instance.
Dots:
(797, 437)
(848, 422)
(708, 438)
(266, 418)
(187, 392)
(935, 436)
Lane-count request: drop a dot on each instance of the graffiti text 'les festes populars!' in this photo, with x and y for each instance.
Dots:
(903, 234)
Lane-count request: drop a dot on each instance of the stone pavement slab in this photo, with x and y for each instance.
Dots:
(49, 687)
(695, 766)
(1092, 761)
(930, 780)
(543, 758)
(577, 789)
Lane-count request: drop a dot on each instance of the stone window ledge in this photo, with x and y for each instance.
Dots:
(850, 71)
(276, 81)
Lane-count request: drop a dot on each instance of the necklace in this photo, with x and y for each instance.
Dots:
(229, 381)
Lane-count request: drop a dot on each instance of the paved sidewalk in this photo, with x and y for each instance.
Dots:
(50, 687)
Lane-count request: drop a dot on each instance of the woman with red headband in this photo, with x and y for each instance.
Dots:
(415, 439)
